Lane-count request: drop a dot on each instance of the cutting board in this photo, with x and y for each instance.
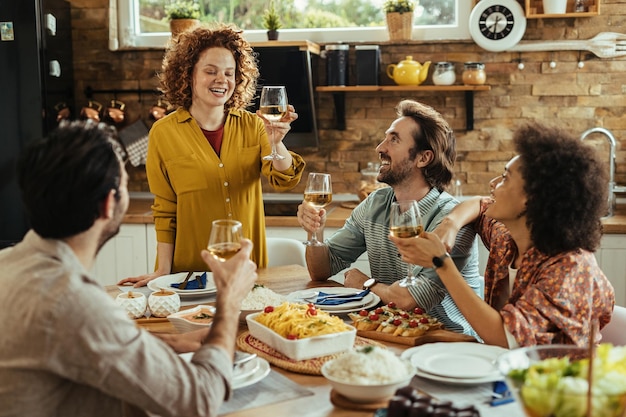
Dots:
(428, 337)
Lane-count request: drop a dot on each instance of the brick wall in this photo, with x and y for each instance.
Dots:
(578, 98)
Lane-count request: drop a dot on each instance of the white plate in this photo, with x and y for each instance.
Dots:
(165, 281)
(461, 363)
(369, 301)
(246, 369)
(260, 369)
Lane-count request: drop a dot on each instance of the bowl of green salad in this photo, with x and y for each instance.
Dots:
(553, 380)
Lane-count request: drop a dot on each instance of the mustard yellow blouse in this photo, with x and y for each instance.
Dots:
(194, 186)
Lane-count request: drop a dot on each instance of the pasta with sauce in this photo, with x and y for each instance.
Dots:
(296, 321)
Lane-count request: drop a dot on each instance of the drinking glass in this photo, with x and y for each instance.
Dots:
(225, 240)
(318, 193)
(405, 221)
(273, 106)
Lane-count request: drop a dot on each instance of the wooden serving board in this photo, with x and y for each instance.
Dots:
(428, 337)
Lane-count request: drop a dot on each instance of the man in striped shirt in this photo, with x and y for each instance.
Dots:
(417, 157)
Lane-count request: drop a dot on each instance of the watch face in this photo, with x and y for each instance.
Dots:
(497, 25)
(496, 22)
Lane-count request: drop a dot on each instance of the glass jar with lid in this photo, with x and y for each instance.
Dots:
(444, 73)
(474, 73)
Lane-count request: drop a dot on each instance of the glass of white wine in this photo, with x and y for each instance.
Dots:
(225, 240)
(405, 221)
(318, 193)
(273, 105)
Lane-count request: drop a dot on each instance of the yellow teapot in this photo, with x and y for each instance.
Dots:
(408, 72)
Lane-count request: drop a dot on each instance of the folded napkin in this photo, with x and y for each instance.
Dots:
(198, 283)
(324, 299)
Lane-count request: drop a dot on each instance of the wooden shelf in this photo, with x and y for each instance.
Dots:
(370, 88)
(534, 10)
(304, 45)
(339, 93)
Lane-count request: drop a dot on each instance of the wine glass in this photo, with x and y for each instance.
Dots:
(225, 240)
(273, 106)
(318, 193)
(405, 221)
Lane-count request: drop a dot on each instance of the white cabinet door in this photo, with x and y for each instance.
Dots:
(152, 246)
(612, 260)
(125, 255)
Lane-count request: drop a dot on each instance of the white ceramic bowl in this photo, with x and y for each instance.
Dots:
(183, 321)
(367, 393)
(300, 349)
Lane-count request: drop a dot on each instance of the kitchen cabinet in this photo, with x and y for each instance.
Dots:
(612, 259)
(534, 10)
(291, 64)
(126, 254)
(340, 91)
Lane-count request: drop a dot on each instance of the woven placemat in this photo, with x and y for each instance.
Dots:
(250, 344)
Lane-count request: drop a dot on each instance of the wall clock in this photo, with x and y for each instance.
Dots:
(497, 25)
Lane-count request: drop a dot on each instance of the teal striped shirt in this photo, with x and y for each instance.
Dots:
(367, 229)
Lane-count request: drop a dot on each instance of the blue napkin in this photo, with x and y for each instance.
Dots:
(198, 283)
(324, 299)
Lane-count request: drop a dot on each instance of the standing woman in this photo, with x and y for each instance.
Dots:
(204, 160)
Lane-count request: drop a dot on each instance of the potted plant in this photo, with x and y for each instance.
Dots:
(182, 15)
(271, 22)
(399, 17)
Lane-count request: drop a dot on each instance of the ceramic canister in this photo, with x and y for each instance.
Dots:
(163, 303)
(134, 303)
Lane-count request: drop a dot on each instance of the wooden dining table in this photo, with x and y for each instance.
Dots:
(285, 280)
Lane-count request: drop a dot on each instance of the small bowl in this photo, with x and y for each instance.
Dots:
(366, 393)
(549, 393)
(184, 322)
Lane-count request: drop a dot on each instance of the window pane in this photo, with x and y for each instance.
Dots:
(298, 14)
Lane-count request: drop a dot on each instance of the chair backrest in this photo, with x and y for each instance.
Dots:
(615, 331)
(285, 251)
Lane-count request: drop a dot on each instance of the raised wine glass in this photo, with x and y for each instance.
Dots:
(225, 240)
(405, 221)
(318, 193)
(273, 106)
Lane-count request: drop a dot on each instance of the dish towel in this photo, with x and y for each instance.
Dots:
(198, 283)
(324, 299)
(135, 140)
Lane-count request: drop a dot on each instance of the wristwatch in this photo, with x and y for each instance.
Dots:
(438, 260)
(369, 283)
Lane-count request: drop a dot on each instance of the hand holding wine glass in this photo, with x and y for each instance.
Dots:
(405, 221)
(273, 105)
(318, 194)
(225, 240)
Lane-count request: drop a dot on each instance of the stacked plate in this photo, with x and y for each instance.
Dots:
(369, 301)
(457, 363)
(248, 373)
(165, 281)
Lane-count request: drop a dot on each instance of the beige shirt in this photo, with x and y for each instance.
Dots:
(67, 350)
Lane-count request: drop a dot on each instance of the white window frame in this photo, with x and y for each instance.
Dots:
(124, 19)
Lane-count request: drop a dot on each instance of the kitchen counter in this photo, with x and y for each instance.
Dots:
(139, 212)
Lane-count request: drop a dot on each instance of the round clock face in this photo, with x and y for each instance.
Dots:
(497, 25)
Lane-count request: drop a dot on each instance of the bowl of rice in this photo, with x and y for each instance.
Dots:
(368, 374)
(257, 299)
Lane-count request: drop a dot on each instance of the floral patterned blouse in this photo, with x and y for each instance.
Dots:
(550, 298)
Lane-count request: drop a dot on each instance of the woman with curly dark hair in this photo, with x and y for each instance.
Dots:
(541, 226)
(204, 160)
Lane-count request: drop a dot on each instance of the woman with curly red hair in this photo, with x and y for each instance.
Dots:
(541, 226)
(204, 160)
